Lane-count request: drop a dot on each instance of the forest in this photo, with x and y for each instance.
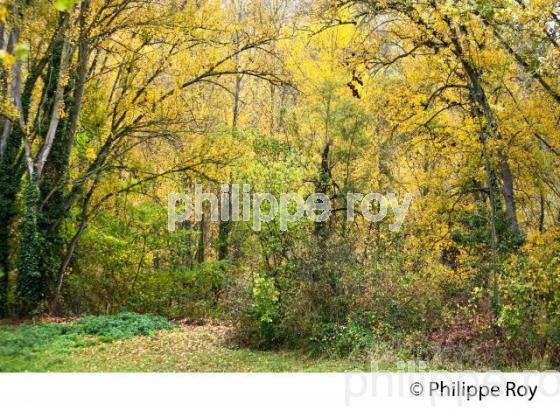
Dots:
(109, 107)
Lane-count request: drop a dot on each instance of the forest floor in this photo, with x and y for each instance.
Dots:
(185, 348)
(132, 342)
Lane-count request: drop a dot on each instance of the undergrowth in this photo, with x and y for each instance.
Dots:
(19, 345)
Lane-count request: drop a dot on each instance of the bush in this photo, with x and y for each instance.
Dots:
(341, 340)
(530, 313)
(193, 293)
(259, 321)
(23, 341)
(121, 326)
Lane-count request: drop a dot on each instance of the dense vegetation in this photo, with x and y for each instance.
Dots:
(110, 105)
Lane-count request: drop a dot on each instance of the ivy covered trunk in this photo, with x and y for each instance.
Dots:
(52, 189)
(11, 171)
(30, 284)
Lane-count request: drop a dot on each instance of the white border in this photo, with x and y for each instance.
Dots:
(262, 391)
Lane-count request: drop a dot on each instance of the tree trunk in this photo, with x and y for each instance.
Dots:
(507, 179)
(201, 252)
(53, 185)
(483, 109)
(10, 178)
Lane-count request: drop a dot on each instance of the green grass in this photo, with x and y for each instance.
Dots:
(42, 347)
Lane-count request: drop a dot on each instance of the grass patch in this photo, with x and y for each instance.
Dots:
(40, 347)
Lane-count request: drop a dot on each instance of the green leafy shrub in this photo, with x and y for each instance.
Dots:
(193, 293)
(260, 320)
(121, 326)
(23, 340)
(530, 311)
(265, 300)
(341, 340)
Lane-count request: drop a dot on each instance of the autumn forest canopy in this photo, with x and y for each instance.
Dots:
(108, 106)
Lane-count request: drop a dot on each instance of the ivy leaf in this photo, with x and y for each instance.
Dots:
(64, 5)
(22, 51)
